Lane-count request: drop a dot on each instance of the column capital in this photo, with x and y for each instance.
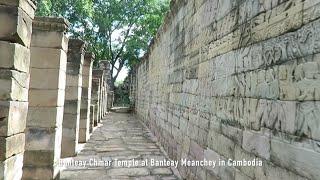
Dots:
(97, 73)
(89, 56)
(104, 65)
(76, 51)
(29, 6)
(50, 24)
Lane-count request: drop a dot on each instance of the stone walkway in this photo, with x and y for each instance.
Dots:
(111, 149)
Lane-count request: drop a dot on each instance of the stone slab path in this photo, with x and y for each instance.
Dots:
(122, 148)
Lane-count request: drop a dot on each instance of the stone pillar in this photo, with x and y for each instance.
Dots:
(92, 117)
(72, 103)
(110, 100)
(105, 65)
(86, 98)
(15, 36)
(96, 99)
(103, 100)
(98, 73)
(46, 98)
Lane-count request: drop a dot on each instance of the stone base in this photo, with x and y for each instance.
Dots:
(69, 143)
(40, 172)
(83, 135)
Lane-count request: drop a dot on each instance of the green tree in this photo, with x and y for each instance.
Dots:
(116, 30)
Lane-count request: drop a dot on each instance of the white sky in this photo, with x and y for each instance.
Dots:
(123, 73)
(116, 36)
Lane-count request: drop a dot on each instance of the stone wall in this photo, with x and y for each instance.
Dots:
(236, 79)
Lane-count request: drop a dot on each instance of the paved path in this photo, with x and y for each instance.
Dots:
(120, 139)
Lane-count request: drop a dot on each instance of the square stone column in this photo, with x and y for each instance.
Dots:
(98, 73)
(110, 95)
(15, 36)
(86, 98)
(102, 99)
(72, 103)
(92, 117)
(96, 99)
(105, 66)
(46, 98)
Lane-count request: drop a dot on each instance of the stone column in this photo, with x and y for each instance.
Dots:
(15, 36)
(92, 117)
(72, 103)
(98, 73)
(105, 65)
(102, 95)
(96, 98)
(110, 100)
(102, 99)
(86, 98)
(49, 47)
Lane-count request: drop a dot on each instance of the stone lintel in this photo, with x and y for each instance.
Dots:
(50, 24)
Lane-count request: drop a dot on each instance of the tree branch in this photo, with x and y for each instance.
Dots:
(124, 42)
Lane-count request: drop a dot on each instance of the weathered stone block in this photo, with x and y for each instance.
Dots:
(69, 142)
(39, 139)
(221, 144)
(54, 40)
(9, 146)
(46, 98)
(241, 154)
(14, 85)
(45, 117)
(11, 168)
(84, 134)
(13, 117)
(40, 55)
(53, 79)
(233, 133)
(14, 56)
(39, 158)
(41, 172)
(26, 5)
(299, 159)
(71, 120)
(73, 93)
(270, 172)
(16, 25)
(257, 143)
(73, 80)
(72, 107)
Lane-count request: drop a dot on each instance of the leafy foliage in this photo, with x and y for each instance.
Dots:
(116, 30)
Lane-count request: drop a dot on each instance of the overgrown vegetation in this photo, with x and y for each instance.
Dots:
(116, 30)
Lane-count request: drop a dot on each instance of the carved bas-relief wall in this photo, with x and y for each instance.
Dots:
(236, 79)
